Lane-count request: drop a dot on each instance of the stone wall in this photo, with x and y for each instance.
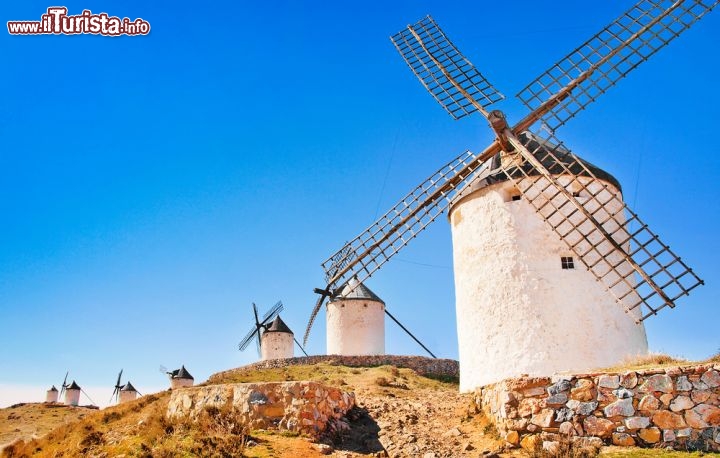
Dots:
(305, 407)
(675, 407)
(420, 364)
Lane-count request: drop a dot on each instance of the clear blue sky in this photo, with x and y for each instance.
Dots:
(152, 187)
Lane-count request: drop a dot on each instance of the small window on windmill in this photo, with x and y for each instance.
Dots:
(567, 262)
(576, 193)
(515, 197)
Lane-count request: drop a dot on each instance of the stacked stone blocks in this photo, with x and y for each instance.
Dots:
(675, 407)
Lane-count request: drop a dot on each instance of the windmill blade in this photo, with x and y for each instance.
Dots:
(373, 247)
(64, 383)
(257, 320)
(314, 313)
(272, 313)
(258, 345)
(635, 267)
(116, 391)
(437, 63)
(369, 251)
(590, 70)
(248, 338)
(163, 369)
(115, 395)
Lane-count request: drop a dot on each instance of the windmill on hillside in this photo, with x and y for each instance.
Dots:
(552, 270)
(273, 338)
(123, 392)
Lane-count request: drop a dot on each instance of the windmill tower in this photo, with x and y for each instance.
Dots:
(72, 394)
(355, 321)
(553, 210)
(51, 396)
(180, 378)
(521, 319)
(128, 393)
(277, 342)
(273, 340)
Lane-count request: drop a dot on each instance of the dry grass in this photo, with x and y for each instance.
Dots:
(565, 449)
(649, 361)
(140, 428)
(347, 378)
(634, 452)
(28, 421)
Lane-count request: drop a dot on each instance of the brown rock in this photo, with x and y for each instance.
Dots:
(668, 420)
(623, 439)
(534, 391)
(658, 382)
(609, 381)
(528, 406)
(711, 378)
(516, 425)
(620, 408)
(694, 420)
(710, 414)
(584, 390)
(649, 403)
(681, 403)
(512, 437)
(567, 429)
(629, 380)
(668, 435)
(650, 435)
(666, 399)
(530, 442)
(633, 423)
(600, 427)
(544, 418)
(700, 396)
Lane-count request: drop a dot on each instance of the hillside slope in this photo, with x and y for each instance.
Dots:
(398, 410)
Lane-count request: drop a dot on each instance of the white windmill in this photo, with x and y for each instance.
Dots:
(548, 259)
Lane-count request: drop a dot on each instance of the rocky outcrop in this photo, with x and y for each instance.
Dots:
(305, 407)
(675, 407)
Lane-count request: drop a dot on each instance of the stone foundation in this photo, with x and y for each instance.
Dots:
(304, 407)
(675, 407)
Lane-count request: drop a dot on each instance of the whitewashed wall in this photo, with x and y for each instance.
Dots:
(518, 311)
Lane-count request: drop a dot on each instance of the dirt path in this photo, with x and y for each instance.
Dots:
(424, 423)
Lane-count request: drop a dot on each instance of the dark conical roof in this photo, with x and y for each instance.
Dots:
(182, 373)
(540, 149)
(361, 292)
(53, 388)
(278, 325)
(128, 387)
(73, 386)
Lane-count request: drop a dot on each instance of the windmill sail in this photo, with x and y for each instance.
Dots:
(446, 74)
(257, 329)
(590, 70)
(636, 268)
(376, 245)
